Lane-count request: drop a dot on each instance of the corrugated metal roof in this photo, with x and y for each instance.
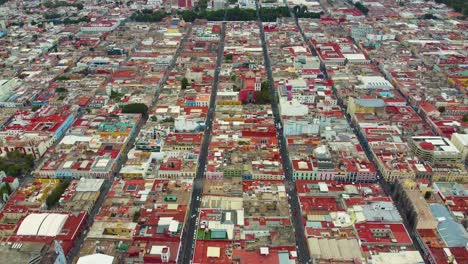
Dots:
(453, 233)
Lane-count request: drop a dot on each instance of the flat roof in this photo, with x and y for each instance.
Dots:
(334, 248)
(213, 252)
(402, 257)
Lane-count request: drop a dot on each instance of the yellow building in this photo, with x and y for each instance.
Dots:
(366, 106)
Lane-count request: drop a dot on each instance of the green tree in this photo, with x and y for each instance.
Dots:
(427, 195)
(116, 95)
(8, 188)
(168, 120)
(54, 196)
(16, 163)
(136, 108)
(51, 15)
(264, 95)
(184, 83)
(362, 8)
(136, 216)
(62, 78)
(465, 118)
(228, 57)
(442, 109)
(429, 16)
(14, 170)
(34, 108)
(148, 16)
(60, 90)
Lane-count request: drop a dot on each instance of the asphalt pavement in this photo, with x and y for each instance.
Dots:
(108, 182)
(189, 231)
(362, 139)
(295, 209)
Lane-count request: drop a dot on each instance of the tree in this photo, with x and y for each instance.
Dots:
(136, 108)
(264, 95)
(116, 95)
(14, 170)
(184, 83)
(60, 90)
(34, 108)
(168, 120)
(465, 118)
(8, 188)
(136, 215)
(361, 7)
(62, 78)
(427, 195)
(147, 15)
(16, 163)
(228, 57)
(429, 16)
(154, 118)
(54, 196)
(442, 109)
(51, 15)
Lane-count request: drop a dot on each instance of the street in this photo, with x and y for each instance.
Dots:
(296, 218)
(108, 182)
(189, 230)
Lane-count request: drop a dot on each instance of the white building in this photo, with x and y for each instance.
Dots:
(6, 88)
(373, 82)
(292, 107)
(437, 150)
(96, 258)
(187, 123)
(247, 4)
(460, 141)
(356, 58)
(100, 26)
(301, 127)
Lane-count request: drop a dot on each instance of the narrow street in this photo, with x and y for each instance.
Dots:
(189, 230)
(295, 209)
(386, 186)
(108, 182)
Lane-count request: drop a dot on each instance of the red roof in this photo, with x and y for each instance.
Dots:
(8, 179)
(427, 145)
(396, 231)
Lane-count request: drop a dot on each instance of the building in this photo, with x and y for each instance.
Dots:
(292, 107)
(101, 26)
(436, 150)
(402, 257)
(6, 88)
(410, 200)
(96, 258)
(373, 82)
(460, 141)
(366, 106)
(184, 4)
(332, 248)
